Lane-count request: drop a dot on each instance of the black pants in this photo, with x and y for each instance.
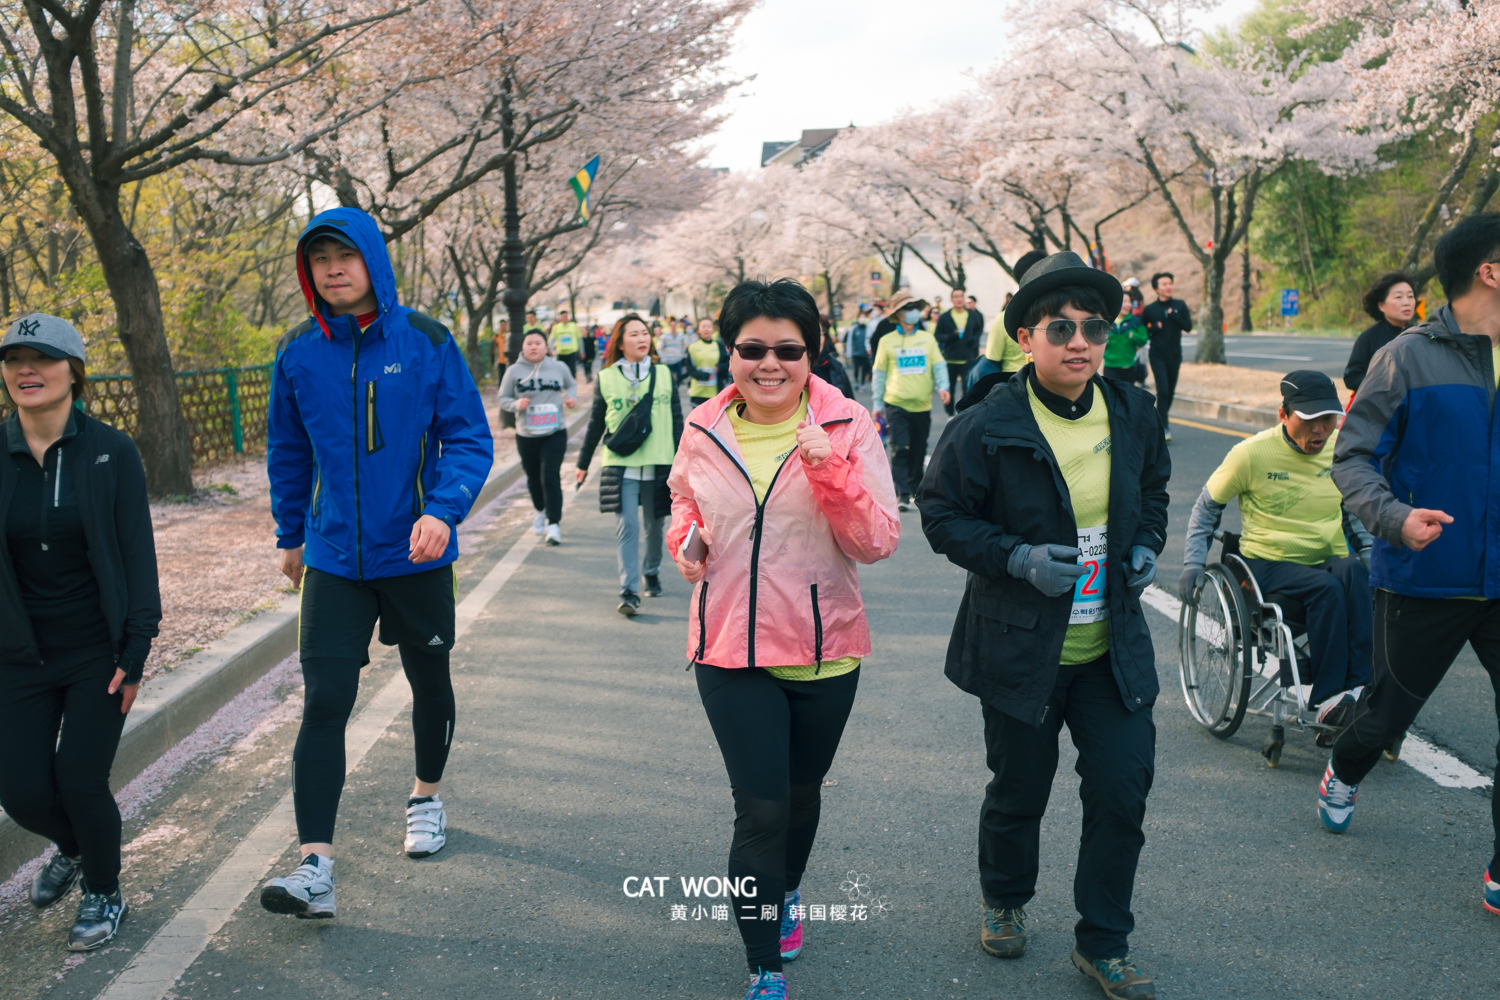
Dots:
(499, 373)
(1116, 762)
(338, 620)
(571, 360)
(1339, 606)
(958, 374)
(862, 370)
(58, 787)
(1416, 641)
(1164, 368)
(542, 459)
(1134, 374)
(778, 739)
(907, 431)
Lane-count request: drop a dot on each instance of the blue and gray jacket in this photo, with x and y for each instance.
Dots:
(369, 431)
(1423, 433)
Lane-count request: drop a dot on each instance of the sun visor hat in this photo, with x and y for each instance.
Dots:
(48, 335)
(1310, 394)
(1059, 271)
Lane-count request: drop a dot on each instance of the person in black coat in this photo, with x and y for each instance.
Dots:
(1051, 493)
(960, 346)
(1166, 319)
(1391, 302)
(828, 368)
(79, 606)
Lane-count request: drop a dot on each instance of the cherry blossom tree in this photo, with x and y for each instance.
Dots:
(1201, 126)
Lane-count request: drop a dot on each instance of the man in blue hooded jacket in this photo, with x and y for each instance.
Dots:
(377, 446)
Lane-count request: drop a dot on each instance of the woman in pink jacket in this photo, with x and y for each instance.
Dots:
(788, 485)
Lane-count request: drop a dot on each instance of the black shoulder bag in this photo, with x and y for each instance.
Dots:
(636, 427)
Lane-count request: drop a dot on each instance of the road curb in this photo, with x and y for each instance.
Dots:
(179, 701)
(1253, 416)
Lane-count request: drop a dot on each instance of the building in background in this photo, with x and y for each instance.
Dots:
(798, 151)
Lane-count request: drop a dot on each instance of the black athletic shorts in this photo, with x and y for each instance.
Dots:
(339, 615)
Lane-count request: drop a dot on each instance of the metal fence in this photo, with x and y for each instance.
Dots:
(225, 408)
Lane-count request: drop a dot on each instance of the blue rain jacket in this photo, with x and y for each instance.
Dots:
(369, 431)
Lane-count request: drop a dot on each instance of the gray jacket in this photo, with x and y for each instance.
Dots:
(543, 386)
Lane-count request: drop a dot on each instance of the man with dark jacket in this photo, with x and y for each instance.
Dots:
(958, 333)
(1167, 319)
(1052, 493)
(377, 445)
(1425, 422)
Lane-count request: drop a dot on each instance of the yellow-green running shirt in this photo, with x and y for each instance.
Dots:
(1082, 448)
(908, 361)
(1289, 507)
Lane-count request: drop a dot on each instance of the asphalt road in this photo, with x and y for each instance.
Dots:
(1283, 354)
(583, 758)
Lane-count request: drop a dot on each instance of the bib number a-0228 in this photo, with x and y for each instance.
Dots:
(1089, 604)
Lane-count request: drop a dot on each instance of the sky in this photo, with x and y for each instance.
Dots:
(827, 63)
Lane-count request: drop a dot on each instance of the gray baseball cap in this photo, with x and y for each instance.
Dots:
(49, 335)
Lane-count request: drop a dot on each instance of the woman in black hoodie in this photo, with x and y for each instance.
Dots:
(79, 606)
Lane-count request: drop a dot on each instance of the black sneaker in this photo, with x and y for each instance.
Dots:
(1336, 713)
(904, 503)
(55, 880)
(98, 920)
(653, 586)
(630, 603)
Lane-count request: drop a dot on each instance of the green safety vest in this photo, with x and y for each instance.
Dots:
(659, 448)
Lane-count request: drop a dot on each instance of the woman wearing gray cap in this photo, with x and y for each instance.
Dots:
(79, 607)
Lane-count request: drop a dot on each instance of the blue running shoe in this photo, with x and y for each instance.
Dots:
(791, 927)
(1335, 801)
(1491, 893)
(767, 986)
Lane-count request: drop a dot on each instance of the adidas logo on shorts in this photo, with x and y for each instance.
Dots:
(435, 641)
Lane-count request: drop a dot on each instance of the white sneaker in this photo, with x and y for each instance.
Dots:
(539, 523)
(554, 535)
(426, 823)
(307, 892)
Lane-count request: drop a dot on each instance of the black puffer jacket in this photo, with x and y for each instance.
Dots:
(109, 484)
(994, 483)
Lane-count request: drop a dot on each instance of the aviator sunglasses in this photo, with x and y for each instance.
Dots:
(1095, 331)
(783, 352)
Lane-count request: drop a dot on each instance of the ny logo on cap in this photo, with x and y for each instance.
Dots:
(28, 327)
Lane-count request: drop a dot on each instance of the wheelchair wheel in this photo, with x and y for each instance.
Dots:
(1215, 655)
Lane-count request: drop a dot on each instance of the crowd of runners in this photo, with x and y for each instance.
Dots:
(736, 448)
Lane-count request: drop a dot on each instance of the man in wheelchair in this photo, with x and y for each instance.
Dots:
(1294, 537)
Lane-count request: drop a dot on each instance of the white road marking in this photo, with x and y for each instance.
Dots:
(1437, 764)
(1269, 357)
(179, 942)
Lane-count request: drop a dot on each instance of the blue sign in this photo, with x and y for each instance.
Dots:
(1289, 302)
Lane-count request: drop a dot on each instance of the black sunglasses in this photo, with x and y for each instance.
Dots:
(1095, 331)
(783, 352)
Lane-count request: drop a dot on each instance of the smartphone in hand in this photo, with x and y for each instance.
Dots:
(694, 548)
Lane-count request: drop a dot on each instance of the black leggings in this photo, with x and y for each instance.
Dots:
(542, 458)
(318, 759)
(778, 739)
(59, 787)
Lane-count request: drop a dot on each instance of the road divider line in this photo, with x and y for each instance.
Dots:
(1422, 756)
(1209, 427)
(178, 943)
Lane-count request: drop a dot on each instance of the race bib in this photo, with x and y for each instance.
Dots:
(1089, 605)
(911, 361)
(565, 340)
(542, 417)
(705, 383)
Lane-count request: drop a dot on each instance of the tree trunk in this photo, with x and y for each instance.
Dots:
(161, 430)
(1211, 324)
(1247, 323)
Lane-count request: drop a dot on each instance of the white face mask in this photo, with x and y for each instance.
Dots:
(911, 316)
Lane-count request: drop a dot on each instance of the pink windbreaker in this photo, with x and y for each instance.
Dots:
(780, 587)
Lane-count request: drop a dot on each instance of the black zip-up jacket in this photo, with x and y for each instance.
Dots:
(959, 345)
(994, 483)
(1166, 322)
(109, 484)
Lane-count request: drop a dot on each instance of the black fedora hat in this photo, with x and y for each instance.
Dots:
(1058, 271)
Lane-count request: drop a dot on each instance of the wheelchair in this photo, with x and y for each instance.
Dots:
(1244, 652)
